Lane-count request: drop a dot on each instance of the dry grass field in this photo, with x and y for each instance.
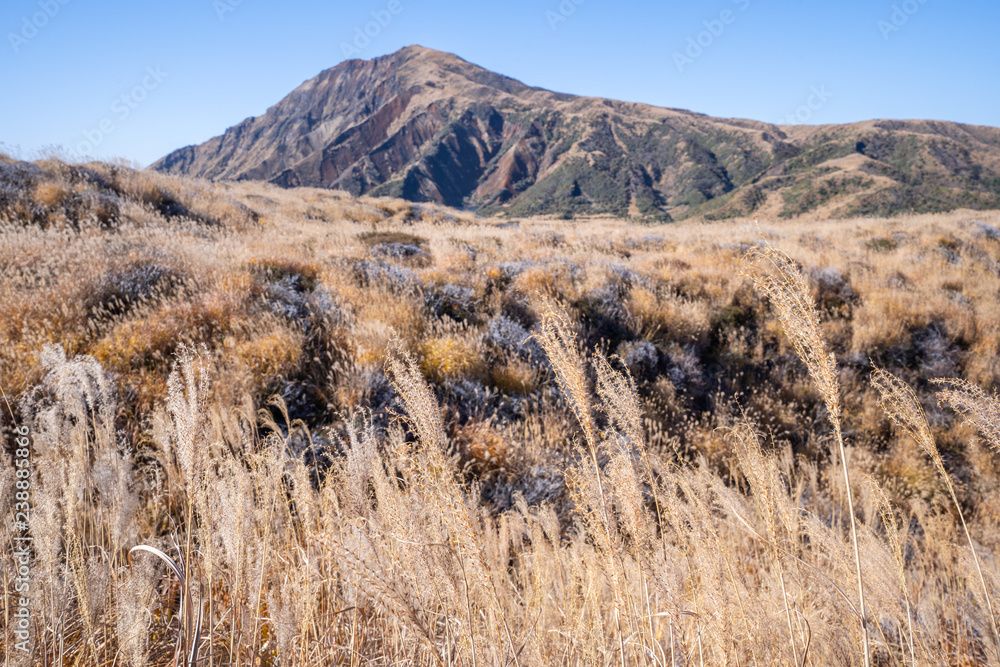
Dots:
(366, 431)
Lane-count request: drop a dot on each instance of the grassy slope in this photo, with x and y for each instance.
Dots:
(301, 292)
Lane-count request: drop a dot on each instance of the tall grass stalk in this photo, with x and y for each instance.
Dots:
(559, 343)
(981, 412)
(776, 276)
(903, 407)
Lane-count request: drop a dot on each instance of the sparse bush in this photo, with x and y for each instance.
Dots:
(510, 336)
(382, 273)
(457, 302)
(133, 282)
(640, 357)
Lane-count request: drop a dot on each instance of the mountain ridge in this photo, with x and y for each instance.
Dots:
(427, 125)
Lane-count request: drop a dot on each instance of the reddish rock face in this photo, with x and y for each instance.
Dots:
(429, 126)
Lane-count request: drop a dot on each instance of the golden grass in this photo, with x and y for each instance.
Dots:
(570, 443)
(447, 358)
(50, 194)
(515, 377)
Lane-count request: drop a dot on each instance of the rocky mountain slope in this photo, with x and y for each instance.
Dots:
(428, 126)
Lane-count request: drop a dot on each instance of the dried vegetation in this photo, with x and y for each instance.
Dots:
(353, 431)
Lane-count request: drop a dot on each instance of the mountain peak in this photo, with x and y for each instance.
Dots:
(417, 50)
(427, 125)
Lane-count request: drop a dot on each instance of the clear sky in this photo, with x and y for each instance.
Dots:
(137, 79)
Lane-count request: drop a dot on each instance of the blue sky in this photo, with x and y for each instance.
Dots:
(138, 79)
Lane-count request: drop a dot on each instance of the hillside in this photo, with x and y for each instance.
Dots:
(427, 126)
(348, 416)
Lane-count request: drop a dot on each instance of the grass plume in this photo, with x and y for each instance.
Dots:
(776, 277)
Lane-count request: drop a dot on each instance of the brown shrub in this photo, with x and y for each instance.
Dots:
(450, 357)
(50, 194)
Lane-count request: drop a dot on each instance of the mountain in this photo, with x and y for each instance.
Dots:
(428, 126)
